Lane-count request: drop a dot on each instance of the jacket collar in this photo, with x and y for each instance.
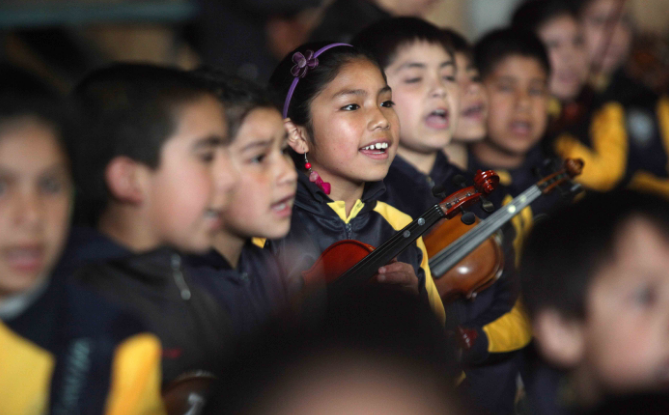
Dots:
(310, 197)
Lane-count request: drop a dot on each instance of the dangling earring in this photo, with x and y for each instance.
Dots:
(315, 177)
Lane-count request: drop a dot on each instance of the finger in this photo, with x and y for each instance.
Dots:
(396, 267)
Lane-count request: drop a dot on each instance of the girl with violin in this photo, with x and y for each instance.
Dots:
(343, 130)
(421, 70)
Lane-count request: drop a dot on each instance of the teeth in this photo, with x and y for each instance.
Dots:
(280, 206)
(439, 112)
(377, 146)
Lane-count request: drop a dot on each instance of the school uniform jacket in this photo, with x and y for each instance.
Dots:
(501, 326)
(623, 139)
(318, 222)
(70, 352)
(251, 293)
(194, 329)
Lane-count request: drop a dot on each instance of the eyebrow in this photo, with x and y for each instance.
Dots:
(211, 141)
(420, 65)
(360, 92)
(57, 168)
(264, 143)
(386, 88)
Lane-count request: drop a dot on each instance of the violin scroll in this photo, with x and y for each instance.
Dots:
(573, 167)
(484, 183)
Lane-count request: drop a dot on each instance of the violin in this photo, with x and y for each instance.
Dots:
(465, 259)
(349, 263)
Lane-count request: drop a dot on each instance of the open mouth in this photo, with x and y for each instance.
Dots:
(437, 119)
(523, 128)
(474, 111)
(283, 206)
(27, 259)
(378, 149)
(214, 216)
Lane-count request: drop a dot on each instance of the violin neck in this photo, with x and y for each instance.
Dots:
(450, 256)
(369, 266)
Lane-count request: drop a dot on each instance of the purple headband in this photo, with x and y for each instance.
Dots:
(302, 65)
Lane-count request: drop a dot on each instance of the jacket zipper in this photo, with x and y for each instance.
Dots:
(179, 277)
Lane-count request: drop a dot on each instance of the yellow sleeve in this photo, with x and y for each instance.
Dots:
(398, 220)
(606, 161)
(512, 331)
(648, 182)
(430, 287)
(136, 378)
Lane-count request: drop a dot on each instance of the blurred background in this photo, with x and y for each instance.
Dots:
(62, 40)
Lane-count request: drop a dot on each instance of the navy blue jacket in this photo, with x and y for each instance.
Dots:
(251, 293)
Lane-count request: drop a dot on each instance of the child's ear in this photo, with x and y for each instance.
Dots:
(297, 136)
(123, 180)
(561, 340)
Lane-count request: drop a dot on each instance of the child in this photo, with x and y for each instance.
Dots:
(595, 281)
(63, 349)
(515, 70)
(472, 118)
(244, 276)
(554, 22)
(421, 70)
(339, 114)
(157, 180)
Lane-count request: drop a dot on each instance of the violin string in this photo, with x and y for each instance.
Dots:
(484, 230)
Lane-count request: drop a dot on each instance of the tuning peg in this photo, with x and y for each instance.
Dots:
(459, 180)
(487, 205)
(439, 191)
(468, 218)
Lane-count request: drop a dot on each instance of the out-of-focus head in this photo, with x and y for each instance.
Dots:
(413, 8)
(473, 114)
(607, 29)
(515, 70)
(595, 279)
(376, 351)
(157, 141)
(37, 129)
(556, 25)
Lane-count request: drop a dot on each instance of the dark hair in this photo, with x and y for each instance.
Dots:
(239, 95)
(458, 43)
(532, 14)
(499, 44)
(563, 253)
(23, 95)
(372, 322)
(330, 63)
(384, 38)
(130, 110)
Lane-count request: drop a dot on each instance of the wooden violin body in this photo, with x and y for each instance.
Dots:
(475, 272)
(466, 259)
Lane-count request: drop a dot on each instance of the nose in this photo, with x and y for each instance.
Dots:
(226, 173)
(286, 173)
(27, 210)
(378, 119)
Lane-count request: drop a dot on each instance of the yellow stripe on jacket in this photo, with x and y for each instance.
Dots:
(399, 220)
(512, 331)
(606, 160)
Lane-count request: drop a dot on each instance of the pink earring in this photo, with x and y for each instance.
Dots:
(316, 178)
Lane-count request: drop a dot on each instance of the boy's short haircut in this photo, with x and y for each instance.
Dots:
(384, 38)
(458, 43)
(564, 253)
(532, 14)
(499, 44)
(130, 110)
(24, 95)
(239, 95)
